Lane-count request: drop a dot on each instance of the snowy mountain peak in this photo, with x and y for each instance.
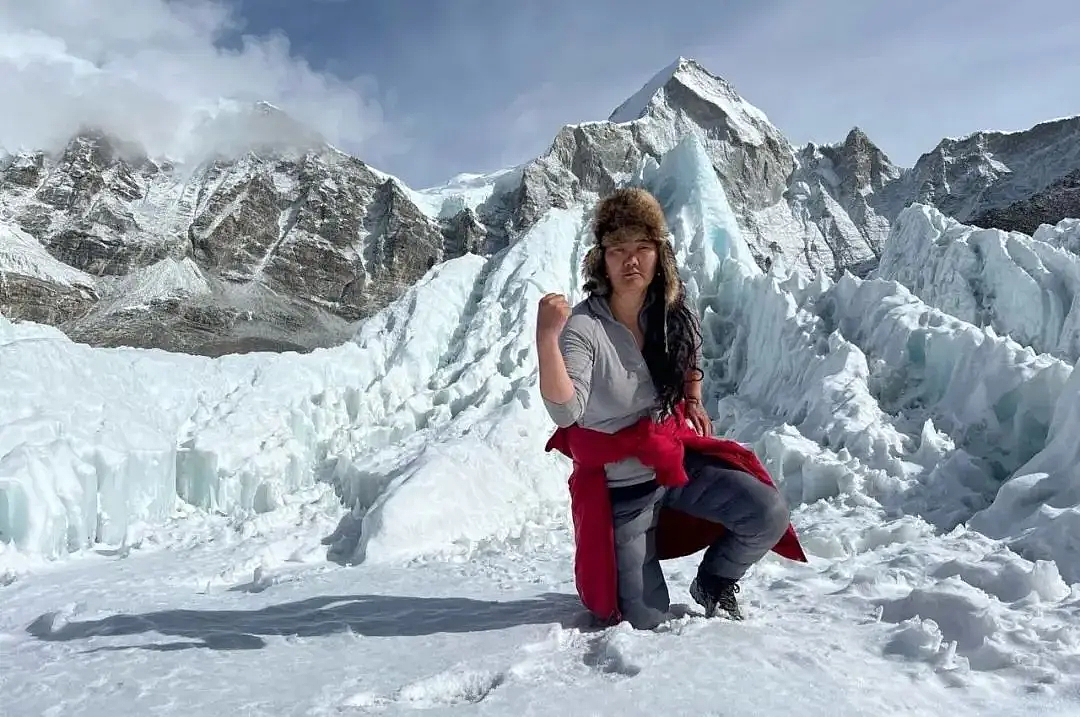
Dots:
(688, 87)
(232, 129)
(637, 105)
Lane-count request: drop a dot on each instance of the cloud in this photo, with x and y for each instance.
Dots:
(165, 74)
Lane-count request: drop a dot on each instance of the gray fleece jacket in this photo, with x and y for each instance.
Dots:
(612, 385)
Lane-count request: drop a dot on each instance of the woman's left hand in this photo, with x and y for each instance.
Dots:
(699, 418)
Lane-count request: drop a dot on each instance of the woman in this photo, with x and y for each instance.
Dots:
(620, 375)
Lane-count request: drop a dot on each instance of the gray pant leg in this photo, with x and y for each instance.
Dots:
(754, 514)
(643, 593)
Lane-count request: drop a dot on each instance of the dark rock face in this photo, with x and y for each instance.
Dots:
(404, 244)
(98, 255)
(286, 249)
(1058, 201)
(1002, 180)
(464, 234)
(22, 172)
(45, 302)
(593, 156)
(212, 325)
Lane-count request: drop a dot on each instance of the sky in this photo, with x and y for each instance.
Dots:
(425, 90)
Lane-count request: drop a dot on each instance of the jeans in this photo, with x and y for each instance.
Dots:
(753, 514)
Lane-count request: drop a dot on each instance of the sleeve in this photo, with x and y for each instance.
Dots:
(577, 352)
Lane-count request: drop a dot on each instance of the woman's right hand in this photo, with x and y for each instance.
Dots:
(551, 316)
(555, 383)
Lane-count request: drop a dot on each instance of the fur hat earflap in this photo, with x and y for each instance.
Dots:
(627, 208)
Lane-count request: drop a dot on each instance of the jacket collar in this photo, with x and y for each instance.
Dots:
(601, 308)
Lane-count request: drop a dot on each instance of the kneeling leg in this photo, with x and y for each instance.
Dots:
(643, 593)
(754, 514)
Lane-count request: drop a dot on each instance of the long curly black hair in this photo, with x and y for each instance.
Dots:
(672, 332)
(672, 341)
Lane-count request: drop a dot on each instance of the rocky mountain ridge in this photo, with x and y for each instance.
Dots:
(288, 245)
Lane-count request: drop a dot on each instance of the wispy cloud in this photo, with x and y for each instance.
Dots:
(472, 85)
(152, 70)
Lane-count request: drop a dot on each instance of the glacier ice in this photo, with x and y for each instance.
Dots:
(1038, 510)
(428, 427)
(698, 212)
(1024, 287)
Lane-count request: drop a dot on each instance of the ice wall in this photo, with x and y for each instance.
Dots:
(1038, 510)
(429, 428)
(1023, 287)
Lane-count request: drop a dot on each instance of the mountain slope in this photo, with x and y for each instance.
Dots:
(35, 286)
(287, 243)
(288, 248)
(390, 499)
(1004, 180)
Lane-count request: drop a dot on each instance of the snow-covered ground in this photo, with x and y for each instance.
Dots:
(375, 528)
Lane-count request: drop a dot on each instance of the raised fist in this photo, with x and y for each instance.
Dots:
(551, 315)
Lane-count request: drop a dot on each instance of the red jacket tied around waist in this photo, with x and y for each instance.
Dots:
(661, 446)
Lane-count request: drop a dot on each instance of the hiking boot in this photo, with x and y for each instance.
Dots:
(715, 594)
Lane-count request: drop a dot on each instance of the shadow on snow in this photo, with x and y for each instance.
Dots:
(369, 615)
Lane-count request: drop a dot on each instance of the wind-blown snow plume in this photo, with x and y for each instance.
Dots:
(157, 73)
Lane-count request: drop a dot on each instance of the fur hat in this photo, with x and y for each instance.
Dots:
(625, 208)
(630, 207)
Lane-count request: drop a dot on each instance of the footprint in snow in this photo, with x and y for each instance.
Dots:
(444, 689)
(610, 655)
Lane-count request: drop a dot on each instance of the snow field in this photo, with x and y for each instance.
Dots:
(888, 423)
